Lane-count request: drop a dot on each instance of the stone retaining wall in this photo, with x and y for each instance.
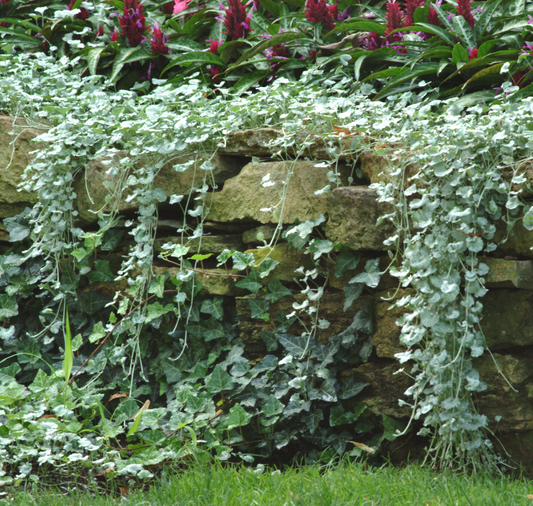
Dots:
(235, 218)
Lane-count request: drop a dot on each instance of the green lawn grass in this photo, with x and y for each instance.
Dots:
(309, 486)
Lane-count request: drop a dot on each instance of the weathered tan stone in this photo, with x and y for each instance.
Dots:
(250, 236)
(261, 142)
(213, 281)
(377, 168)
(353, 214)
(509, 273)
(243, 196)
(92, 193)
(331, 309)
(386, 388)
(15, 155)
(207, 244)
(513, 404)
(289, 260)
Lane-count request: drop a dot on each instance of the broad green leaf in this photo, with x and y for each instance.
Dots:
(347, 260)
(68, 359)
(97, 333)
(213, 329)
(295, 345)
(8, 306)
(465, 33)
(69, 279)
(337, 416)
(219, 381)
(371, 276)
(251, 282)
(443, 16)
(172, 372)
(238, 417)
(484, 20)
(242, 260)
(493, 69)
(286, 36)
(93, 301)
(276, 291)
(156, 310)
(272, 7)
(258, 307)
(351, 388)
(363, 321)
(240, 367)
(180, 251)
(359, 25)
(20, 34)
(93, 57)
(326, 392)
(269, 337)
(195, 57)
(213, 307)
(313, 419)
(248, 80)
(267, 266)
(391, 427)
(226, 50)
(157, 286)
(135, 426)
(459, 54)
(273, 407)
(357, 66)
(320, 247)
(128, 55)
(185, 45)
(101, 272)
(199, 257)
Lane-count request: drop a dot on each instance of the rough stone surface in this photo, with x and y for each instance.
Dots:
(250, 236)
(519, 243)
(514, 404)
(243, 196)
(92, 192)
(385, 388)
(289, 260)
(377, 168)
(208, 243)
(213, 281)
(331, 309)
(507, 322)
(260, 142)
(353, 214)
(509, 273)
(14, 157)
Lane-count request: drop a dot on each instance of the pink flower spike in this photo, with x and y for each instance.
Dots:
(530, 19)
(180, 5)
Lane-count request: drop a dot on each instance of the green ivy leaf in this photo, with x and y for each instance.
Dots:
(212, 329)
(391, 427)
(218, 381)
(371, 276)
(97, 333)
(295, 345)
(8, 306)
(259, 307)
(238, 417)
(251, 282)
(277, 291)
(242, 260)
(100, 272)
(269, 339)
(156, 310)
(351, 388)
(348, 260)
(213, 307)
(313, 419)
(273, 407)
(69, 279)
(351, 293)
(337, 416)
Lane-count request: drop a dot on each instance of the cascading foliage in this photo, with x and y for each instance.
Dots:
(168, 343)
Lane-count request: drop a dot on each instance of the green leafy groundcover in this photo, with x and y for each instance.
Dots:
(455, 49)
(160, 339)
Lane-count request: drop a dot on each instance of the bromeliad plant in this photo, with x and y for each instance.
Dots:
(457, 48)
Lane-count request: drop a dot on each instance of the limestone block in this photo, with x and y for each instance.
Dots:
(385, 388)
(213, 281)
(289, 260)
(509, 273)
(331, 309)
(243, 196)
(14, 157)
(250, 236)
(353, 214)
(514, 404)
(92, 193)
(261, 142)
(206, 244)
(377, 167)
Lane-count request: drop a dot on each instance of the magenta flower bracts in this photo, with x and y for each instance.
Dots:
(433, 17)
(133, 23)
(410, 8)
(236, 21)
(464, 9)
(318, 11)
(159, 40)
(83, 14)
